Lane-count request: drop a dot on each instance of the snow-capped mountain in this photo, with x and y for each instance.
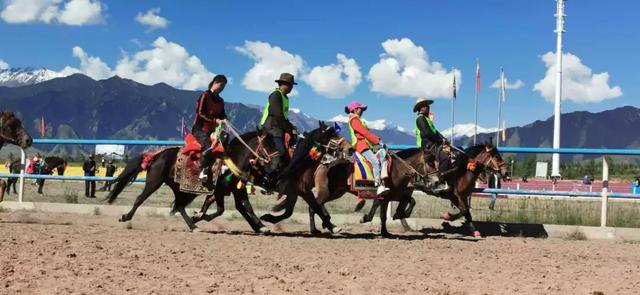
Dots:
(380, 124)
(466, 130)
(26, 76)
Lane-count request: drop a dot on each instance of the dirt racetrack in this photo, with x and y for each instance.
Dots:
(80, 254)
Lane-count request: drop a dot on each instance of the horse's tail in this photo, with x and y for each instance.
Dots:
(128, 175)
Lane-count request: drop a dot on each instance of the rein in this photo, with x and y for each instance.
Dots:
(260, 145)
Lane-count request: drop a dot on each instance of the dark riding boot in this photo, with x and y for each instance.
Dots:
(206, 161)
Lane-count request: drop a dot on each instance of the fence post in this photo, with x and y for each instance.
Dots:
(23, 163)
(605, 187)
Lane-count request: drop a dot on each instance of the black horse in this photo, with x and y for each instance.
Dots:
(51, 164)
(315, 140)
(12, 131)
(161, 170)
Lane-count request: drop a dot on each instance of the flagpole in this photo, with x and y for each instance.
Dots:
(475, 128)
(453, 107)
(500, 98)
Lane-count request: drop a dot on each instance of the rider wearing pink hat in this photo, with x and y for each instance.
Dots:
(364, 141)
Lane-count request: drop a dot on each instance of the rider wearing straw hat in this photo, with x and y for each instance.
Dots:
(366, 142)
(275, 120)
(430, 140)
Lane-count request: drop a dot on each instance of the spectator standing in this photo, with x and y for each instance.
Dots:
(110, 171)
(89, 168)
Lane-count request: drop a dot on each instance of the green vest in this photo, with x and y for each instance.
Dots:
(285, 108)
(418, 133)
(354, 139)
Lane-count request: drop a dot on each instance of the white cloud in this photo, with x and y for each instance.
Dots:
(3, 65)
(152, 20)
(72, 12)
(379, 124)
(404, 70)
(335, 80)
(166, 62)
(270, 61)
(81, 12)
(89, 65)
(513, 86)
(579, 83)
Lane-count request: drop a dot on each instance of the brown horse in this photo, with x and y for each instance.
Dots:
(331, 181)
(301, 180)
(471, 164)
(12, 131)
(317, 140)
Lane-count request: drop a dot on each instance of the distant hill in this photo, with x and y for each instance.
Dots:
(616, 128)
(80, 107)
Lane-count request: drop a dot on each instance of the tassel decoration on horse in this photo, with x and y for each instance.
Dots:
(315, 153)
(471, 165)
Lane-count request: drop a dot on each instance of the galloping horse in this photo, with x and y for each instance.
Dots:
(471, 164)
(12, 131)
(297, 179)
(314, 141)
(161, 169)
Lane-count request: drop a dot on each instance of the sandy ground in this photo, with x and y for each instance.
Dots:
(81, 254)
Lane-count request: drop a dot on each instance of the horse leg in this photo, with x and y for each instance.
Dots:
(289, 204)
(312, 222)
(40, 186)
(476, 233)
(153, 183)
(383, 218)
(320, 210)
(368, 217)
(219, 208)
(244, 207)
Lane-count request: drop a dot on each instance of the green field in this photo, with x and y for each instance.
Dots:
(568, 211)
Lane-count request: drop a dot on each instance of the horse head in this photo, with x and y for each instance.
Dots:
(12, 131)
(489, 158)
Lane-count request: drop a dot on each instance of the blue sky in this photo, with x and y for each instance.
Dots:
(512, 34)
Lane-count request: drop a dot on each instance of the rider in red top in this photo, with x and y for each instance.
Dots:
(366, 143)
(209, 115)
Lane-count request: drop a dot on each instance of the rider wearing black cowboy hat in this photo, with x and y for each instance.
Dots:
(430, 140)
(275, 120)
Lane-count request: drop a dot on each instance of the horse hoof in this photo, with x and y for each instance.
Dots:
(446, 216)
(335, 230)
(122, 218)
(263, 230)
(315, 232)
(477, 234)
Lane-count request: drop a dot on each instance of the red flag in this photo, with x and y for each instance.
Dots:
(42, 129)
(184, 128)
(478, 76)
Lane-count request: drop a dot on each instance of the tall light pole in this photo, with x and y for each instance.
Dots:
(555, 160)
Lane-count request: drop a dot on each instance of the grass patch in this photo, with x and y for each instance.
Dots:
(71, 196)
(577, 235)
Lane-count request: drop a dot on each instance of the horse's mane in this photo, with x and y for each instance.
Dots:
(474, 151)
(406, 153)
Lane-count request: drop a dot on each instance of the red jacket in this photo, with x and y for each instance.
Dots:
(361, 132)
(209, 108)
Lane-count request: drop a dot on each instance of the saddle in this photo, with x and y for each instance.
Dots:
(188, 167)
(362, 180)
